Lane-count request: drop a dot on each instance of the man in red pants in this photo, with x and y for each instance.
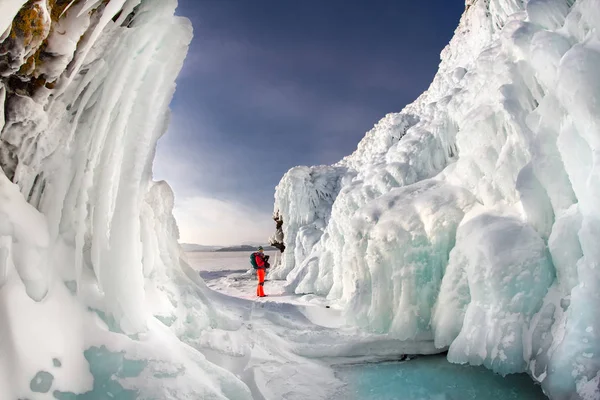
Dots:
(260, 271)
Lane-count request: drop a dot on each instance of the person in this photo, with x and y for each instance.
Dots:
(261, 266)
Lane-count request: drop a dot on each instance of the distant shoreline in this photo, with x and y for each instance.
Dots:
(196, 248)
(242, 248)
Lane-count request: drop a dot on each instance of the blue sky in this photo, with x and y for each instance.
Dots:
(271, 84)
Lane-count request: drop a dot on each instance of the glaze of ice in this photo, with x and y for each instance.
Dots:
(469, 220)
(432, 378)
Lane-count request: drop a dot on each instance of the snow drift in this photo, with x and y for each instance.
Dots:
(470, 218)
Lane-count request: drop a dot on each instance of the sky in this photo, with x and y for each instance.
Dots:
(272, 84)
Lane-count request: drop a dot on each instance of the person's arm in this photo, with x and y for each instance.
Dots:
(259, 261)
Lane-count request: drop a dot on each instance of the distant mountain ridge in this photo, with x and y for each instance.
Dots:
(192, 247)
(244, 247)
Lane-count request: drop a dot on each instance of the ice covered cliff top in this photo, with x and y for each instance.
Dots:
(470, 218)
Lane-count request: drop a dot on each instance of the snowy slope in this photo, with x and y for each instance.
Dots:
(470, 218)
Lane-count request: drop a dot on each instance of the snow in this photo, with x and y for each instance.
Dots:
(227, 274)
(219, 261)
(97, 299)
(287, 343)
(230, 273)
(468, 222)
(28, 244)
(364, 376)
(470, 218)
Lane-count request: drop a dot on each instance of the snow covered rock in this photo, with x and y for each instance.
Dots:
(24, 241)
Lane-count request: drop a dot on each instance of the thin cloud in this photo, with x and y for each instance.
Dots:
(202, 216)
(260, 93)
(210, 221)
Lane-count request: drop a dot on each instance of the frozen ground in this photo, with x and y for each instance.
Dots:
(361, 377)
(221, 261)
(229, 273)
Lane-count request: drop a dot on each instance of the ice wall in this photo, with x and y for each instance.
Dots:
(470, 218)
(308, 212)
(95, 300)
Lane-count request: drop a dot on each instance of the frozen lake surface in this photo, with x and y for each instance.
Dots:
(423, 378)
(223, 261)
(433, 378)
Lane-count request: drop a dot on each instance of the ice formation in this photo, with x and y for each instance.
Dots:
(96, 302)
(470, 219)
(97, 299)
(466, 222)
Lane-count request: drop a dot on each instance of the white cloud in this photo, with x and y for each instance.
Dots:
(210, 221)
(203, 218)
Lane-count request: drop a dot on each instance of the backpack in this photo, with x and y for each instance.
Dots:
(253, 260)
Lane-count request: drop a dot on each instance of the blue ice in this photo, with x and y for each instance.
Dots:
(433, 378)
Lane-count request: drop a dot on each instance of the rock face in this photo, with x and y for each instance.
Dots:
(42, 52)
(277, 240)
(469, 219)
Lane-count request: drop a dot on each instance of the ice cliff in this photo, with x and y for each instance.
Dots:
(94, 299)
(470, 220)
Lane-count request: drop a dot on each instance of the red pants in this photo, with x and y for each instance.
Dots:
(260, 273)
